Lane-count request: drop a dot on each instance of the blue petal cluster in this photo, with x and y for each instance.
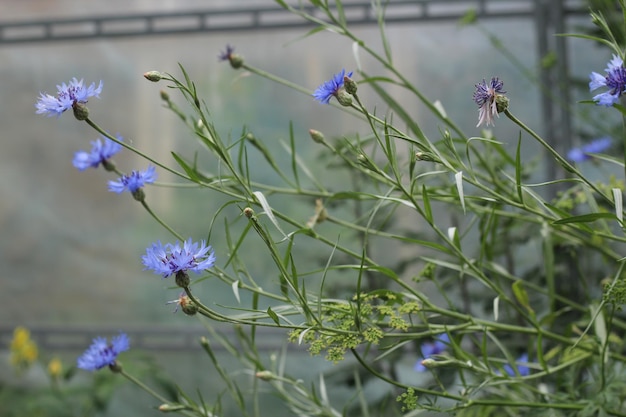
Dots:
(429, 349)
(99, 154)
(324, 92)
(595, 146)
(67, 96)
(170, 259)
(523, 370)
(101, 353)
(133, 181)
(615, 81)
(485, 96)
(227, 54)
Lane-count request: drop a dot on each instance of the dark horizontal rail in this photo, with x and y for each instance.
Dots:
(155, 338)
(258, 18)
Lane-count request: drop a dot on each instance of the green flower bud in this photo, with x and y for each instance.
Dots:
(316, 135)
(154, 76)
(264, 375)
(248, 212)
(502, 102)
(165, 96)
(350, 85)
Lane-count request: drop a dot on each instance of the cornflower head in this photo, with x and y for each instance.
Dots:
(490, 99)
(69, 96)
(133, 182)
(101, 353)
(334, 88)
(614, 80)
(429, 349)
(172, 259)
(184, 302)
(584, 152)
(236, 60)
(100, 153)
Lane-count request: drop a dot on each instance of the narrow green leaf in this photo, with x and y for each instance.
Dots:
(428, 213)
(521, 295)
(586, 218)
(273, 315)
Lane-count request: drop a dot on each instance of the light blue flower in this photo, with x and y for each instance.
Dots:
(485, 97)
(101, 353)
(67, 96)
(170, 259)
(133, 181)
(429, 349)
(615, 80)
(100, 153)
(523, 370)
(595, 146)
(330, 88)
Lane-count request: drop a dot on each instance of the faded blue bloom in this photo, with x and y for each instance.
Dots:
(429, 349)
(133, 181)
(67, 96)
(330, 88)
(101, 353)
(595, 146)
(615, 80)
(485, 96)
(100, 153)
(169, 259)
(523, 370)
(227, 54)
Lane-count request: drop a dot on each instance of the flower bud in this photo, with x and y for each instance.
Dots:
(502, 102)
(344, 98)
(350, 85)
(81, 112)
(425, 156)
(168, 408)
(236, 61)
(165, 96)
(248, 212)
(264, 375)
(316, 135)
(182, 279)
(154, 76)
(189, 307)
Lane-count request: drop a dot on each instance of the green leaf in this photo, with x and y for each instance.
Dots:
(521, 295)
(586, 218)
(273, 315)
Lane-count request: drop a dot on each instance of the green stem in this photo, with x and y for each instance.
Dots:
(161, 222)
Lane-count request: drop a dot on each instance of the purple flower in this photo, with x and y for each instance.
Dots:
(485, 96)
(101, 353)
(595, 146)
(429, 349)
(170, 259)
(67, 96)
(523, 370)
(615, 80)
(133, 181)
(330, 88)
(227, 54)
(100, 153)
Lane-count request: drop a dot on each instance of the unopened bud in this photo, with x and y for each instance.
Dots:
(165, 96)
(350, 85)
(167, 408)
(248, 212)
(81, 112)
(426, 156)
(236, 61)
(316, 135)
(154, 76)
(264, 375)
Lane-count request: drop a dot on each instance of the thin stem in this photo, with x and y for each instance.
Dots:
(161, 222)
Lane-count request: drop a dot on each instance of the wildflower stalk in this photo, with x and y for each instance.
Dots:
(161, 222)
(562, 161)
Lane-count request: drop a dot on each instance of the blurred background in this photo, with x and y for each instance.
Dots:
(70, 251)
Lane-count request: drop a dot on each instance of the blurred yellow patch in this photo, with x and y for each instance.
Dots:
(23, 349)
(55, 367)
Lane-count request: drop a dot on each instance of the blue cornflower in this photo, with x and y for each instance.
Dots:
(170, 259)
(100, 153)
(523, 370)
(595, 146)
(615, 80)
(101, 353)
(429, 349)
(486, 96)
(133, 181)
(67, 96)
(330, 88)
